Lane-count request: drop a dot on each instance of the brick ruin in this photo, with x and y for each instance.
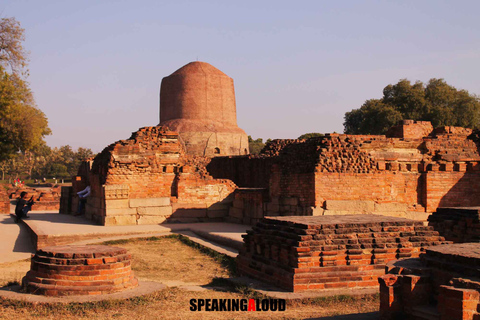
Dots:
(442, 284)
(148, 179)
(198, 102)
(410, 172)
(330, 252)
(79, 270)
(45, 198)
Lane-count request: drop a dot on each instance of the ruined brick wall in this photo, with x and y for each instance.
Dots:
(442, 284)
(145, 179)
(246, 171)
(316, 253)
(410, 129)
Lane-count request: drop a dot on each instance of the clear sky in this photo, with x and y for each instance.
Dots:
(298, 66)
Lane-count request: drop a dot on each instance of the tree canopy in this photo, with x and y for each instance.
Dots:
(310, 135)
(437, 101)
(22, 125)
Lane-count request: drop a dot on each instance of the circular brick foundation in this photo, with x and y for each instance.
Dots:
(79, 270)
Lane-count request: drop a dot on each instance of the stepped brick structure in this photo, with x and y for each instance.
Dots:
(442, 284)
(79, 270)
(148, 179)
(198, 102)
(330, 252)
(457, 224)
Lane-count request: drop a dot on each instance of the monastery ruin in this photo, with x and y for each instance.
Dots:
(327, 212)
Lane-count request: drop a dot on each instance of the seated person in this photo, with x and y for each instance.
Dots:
(22, 207)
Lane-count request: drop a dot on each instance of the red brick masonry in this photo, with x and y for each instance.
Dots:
(325, 252)
(442, 284)
(79, 270)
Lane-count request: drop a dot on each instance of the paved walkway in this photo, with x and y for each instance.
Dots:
(17, 244)
(15, 240)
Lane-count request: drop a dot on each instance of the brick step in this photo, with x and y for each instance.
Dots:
(81, 261)
(341, 274)
(426, 312)
(74, 281)
(55, 290)
(52, 268)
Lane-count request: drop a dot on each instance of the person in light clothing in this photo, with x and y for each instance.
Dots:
(82, 199)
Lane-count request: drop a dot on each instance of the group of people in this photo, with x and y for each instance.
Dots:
(24, 206)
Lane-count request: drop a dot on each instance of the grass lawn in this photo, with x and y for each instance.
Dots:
(190, 272)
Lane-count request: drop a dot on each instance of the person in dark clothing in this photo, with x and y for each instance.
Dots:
(22, 207)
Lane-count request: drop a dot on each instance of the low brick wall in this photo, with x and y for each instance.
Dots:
(329, 252)
(79, 270)
(457, 224)
(441, 284)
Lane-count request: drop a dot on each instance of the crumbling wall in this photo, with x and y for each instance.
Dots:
(143, 180)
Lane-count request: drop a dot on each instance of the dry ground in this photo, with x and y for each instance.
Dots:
(191, 272)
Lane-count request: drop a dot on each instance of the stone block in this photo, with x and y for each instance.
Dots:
(289, 201)
(189, 213)
(116, 191)
(357, 206)
(316, 211)
(272, 207)
(116, 204)
(150, 202)
(217, 213)
(155, 211)
(120, 220)
(339, 213)
(238, 203)
(236, 213)
(120, 211)
(176, 206)
(151, 219)
(391, 207)
(219, 206)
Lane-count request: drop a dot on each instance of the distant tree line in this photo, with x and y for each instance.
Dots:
(44, 162)
(437, 101)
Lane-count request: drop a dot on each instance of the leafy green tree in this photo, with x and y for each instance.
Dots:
(255, 146)
(310, 135)
(22, 125)
(438, 102)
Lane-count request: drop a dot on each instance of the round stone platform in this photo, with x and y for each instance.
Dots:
(79, 270)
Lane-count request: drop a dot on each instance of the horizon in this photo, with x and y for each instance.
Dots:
(96, 68)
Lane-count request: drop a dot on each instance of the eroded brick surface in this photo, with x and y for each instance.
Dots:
(79, 270)
(442, 283)
(323, 252)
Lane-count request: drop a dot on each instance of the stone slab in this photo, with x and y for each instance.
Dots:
(151, 220)
(155, 211)
(351, 205)
(150, 202)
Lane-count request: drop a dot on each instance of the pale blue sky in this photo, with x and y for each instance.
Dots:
(298, 66)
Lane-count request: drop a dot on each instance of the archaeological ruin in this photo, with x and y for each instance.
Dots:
(330, 252)
(327, 212)
(79, 270)
(198, 102)
(442, 284)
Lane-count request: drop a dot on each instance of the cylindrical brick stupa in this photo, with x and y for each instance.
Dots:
(198, 101)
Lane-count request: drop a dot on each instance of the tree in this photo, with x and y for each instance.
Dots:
(22, 125)
(310, 135)
(255, 146)
(438, 102)
(12, 53)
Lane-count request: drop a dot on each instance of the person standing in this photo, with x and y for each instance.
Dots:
(82, 199)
